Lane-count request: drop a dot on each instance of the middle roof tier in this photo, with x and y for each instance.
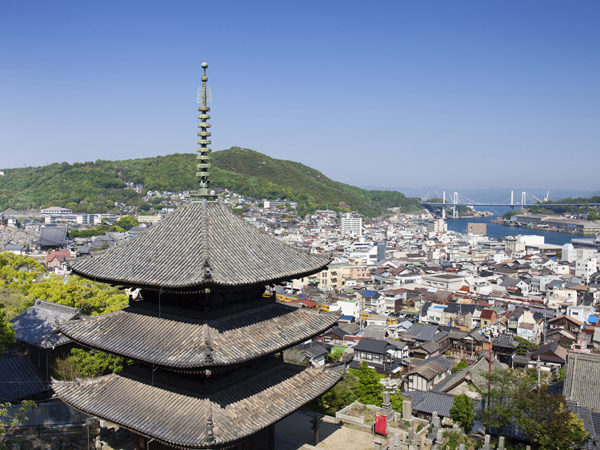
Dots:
(181, 342)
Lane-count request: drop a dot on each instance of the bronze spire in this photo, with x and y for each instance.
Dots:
(203, 163)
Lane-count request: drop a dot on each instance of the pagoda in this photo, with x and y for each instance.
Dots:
(206, 338)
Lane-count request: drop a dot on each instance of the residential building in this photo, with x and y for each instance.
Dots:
(351, 224)
(477, 229)
(383, 356)
(427, 374)
(437, 226)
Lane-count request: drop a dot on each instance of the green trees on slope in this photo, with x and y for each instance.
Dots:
(93, 187)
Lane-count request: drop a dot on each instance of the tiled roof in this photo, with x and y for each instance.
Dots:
(137, 332)
(199, 245)
(474, 373)
(373, 346)
(38, 324)
(18, 378)
(430, 402)
(183, 417)
(506, 340)
(430, 346)
(582, 379)
(420, 332)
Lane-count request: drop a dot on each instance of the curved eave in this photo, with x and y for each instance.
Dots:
(146, 352)
(176, 420)
(196, 288)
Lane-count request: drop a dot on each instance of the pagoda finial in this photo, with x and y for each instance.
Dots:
(203, 158)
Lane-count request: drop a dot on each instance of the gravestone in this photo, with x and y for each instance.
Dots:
(439, 435)
(407, 410)
(386, 407)
(501, 443)
(378, 443)
(396, 441)
(486, 443)
(461, 447)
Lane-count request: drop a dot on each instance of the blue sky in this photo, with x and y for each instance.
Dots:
(389, 93)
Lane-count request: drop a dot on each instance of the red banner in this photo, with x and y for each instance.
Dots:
(380, 424)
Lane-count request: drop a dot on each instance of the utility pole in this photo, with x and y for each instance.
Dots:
(490, 385)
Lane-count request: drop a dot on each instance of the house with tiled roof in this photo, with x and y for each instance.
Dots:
(463, 381)
(37, 331)
(487, 317)
(565, 322)
(551, 354)
(19, 380)
(427, 374)
(384, 356)
(504, 347)
(57, 259)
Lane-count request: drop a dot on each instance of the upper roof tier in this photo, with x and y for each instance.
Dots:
(202, 244)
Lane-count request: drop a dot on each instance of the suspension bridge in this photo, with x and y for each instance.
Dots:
(461, 200)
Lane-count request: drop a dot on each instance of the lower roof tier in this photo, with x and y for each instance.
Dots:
(191, 420)
(179, 342)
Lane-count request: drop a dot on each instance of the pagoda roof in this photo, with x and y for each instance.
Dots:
(180, 417)
(137, 332)
(200, 245)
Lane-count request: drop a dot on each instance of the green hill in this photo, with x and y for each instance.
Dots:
(95, 186)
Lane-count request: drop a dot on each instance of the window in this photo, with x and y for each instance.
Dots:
(369, 356)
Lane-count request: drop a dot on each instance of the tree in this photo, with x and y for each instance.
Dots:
(82, 364)
(340, 396)
(460, 366)
(508, 215)
(498, 407)
(8, 422)
(127, 222)
(462, 411)
(545, 421)
(7, 335)
(525, 346)
(336, 354)
(396, 400)
(369, 389)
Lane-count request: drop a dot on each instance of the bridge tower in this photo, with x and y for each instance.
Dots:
(444, 207)
(523, 200)
(454, 212)
(512, 199)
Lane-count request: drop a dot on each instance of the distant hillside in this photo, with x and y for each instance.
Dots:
(94, 186)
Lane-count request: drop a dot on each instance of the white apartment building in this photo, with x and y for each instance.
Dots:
(584, 268)
(84, 219)
(56, 211)
(437, 226)
(350, 224)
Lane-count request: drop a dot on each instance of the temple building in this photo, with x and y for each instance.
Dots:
(206, 338)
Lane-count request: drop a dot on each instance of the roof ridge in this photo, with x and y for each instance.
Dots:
(52, 305)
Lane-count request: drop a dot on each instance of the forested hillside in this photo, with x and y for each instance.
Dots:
(94, 186)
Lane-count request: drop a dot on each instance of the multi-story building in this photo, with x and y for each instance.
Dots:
(204, 337)
(478, 229)
(437, 226)
(351, 224)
